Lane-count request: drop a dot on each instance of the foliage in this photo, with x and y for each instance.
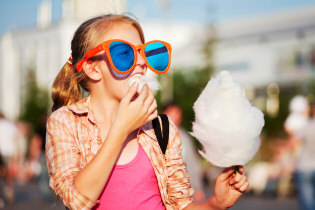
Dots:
(274, 125)
(36, 103)
(188, 85)
(273, 131)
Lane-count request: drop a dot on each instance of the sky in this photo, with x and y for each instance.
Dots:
(22, 13)
(217, 11)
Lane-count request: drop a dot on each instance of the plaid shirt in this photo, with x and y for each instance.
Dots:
(73, 139)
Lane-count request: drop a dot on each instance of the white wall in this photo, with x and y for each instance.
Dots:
(9, 60)
(253, 55)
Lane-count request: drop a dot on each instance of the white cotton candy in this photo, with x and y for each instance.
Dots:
(152, 82)
(226, 124)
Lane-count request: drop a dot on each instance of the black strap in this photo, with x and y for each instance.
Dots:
(163, 140)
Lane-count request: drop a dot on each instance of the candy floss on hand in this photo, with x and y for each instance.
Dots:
(152, 82)
(226, 124)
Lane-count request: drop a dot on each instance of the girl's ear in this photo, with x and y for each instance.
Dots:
(91, 70)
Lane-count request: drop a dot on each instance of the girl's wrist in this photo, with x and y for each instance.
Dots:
(215, 204)
(119, 130)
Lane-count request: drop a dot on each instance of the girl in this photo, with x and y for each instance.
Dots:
(102, 152)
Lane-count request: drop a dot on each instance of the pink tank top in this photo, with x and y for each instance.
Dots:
(132, 186)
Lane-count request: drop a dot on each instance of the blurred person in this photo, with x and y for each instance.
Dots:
(305, 166)
(34, 155)
(44, 189)
(32, 158)
(297, 119)
(295, 122)
(101, 150)
(258, 177)
(22, 151)
(281, 169)
(9, 134)
(190, 156)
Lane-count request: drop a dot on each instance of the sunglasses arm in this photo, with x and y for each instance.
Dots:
(88, 55)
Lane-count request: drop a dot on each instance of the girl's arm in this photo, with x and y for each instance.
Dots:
(77, 188)
(91, 180)
(80, 187)
(130, 115)
(228, 189)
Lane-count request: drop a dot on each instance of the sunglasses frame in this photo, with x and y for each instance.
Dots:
(104, 46)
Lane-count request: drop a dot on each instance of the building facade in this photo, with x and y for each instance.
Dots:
(259, 52)
(43, 49)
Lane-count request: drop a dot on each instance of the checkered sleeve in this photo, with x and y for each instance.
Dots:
(63, 159)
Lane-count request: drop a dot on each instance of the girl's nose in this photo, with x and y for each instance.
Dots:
(141, 62)
(140, 59)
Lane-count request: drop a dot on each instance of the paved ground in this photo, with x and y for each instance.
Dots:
(28, 198)
(265, 203)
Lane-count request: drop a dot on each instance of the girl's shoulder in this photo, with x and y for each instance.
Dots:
(80, 107)
(61, 116)
(61, 111)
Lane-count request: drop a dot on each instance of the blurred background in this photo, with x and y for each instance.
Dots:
(268, 46)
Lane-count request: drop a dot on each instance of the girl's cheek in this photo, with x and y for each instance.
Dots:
(121, 82)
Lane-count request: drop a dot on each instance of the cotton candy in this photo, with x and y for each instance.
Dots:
(226, 124)
(152, 83)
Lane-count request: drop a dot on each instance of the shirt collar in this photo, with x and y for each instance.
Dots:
(84, 107)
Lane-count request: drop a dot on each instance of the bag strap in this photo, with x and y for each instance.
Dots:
(163, 140)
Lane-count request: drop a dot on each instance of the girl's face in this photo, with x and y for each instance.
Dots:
(116, 85)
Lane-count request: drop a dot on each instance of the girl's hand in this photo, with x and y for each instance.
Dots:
(134, 112)
(229, 187)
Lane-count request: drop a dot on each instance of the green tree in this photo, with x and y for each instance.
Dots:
(187, 86)
(36, 102)
(188, 83)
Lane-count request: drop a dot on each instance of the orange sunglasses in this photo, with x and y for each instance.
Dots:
(122, 55)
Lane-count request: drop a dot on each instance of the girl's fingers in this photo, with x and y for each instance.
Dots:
(241, 169)
(237, 177)
(152, 116)
(225, 174)
(244, 187)
(131, 91)
(152, 107)
(143, 94)
(241, 182)
(149, 100)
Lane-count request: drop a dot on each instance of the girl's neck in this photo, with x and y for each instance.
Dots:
(104, 108)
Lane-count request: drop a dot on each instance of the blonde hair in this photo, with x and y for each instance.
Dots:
(66, 87)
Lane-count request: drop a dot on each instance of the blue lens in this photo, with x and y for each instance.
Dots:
(122, 55)
(157, 55)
